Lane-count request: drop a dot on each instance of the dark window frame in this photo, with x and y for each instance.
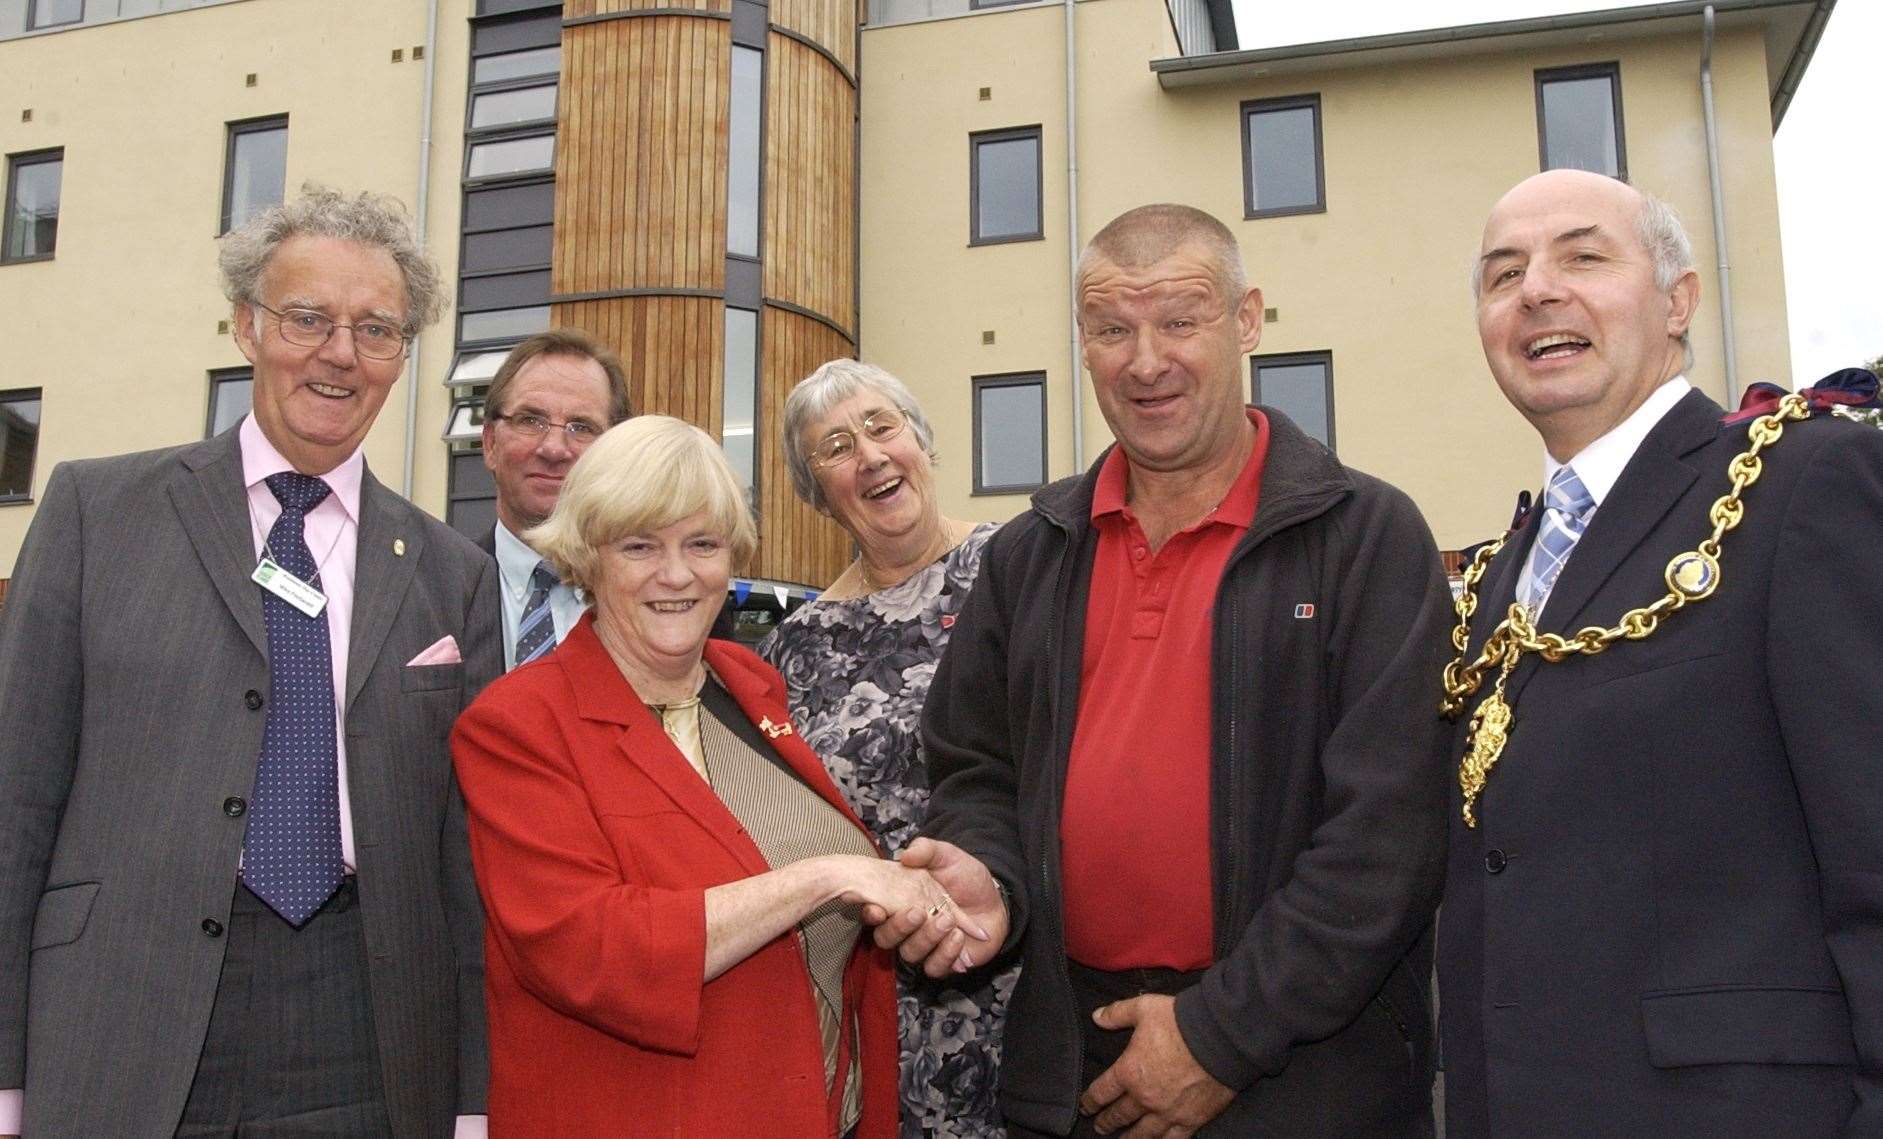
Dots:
(14, 163)
(218, 377)
(983, 5)
(1253, 107)
(1323, 357)
(23, 395)
(32, 17)
(1610, 71)
(501, 86)
(978, 384)
(1006, 134)
(234, 130)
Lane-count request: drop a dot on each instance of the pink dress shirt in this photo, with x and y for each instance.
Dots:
(333, 536)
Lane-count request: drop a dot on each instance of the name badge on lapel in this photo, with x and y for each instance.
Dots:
(271, 577)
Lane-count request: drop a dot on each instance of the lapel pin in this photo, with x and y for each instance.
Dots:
(773, 730)
(398, 547)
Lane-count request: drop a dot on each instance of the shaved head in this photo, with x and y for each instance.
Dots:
(1144, 236)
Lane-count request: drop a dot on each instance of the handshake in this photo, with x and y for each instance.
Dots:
(936, 905)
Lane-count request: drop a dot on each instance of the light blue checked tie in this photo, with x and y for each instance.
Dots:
(536, 632)
(1567, 506)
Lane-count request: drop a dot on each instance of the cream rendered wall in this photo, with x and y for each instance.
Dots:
(1414, 158)
(927, 296)
(119, 329)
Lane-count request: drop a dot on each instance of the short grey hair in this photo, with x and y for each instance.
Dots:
(375, 220)
(1148, 234)
(822, 390)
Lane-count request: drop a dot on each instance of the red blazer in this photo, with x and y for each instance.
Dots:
(594, 843)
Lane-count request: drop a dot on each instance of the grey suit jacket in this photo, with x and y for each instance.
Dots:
(133, 673)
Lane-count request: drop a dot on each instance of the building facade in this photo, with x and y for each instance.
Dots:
(730, 192)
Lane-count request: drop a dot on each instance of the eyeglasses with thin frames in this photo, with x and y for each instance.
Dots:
(579, 433)
(373, 339)
(838, 447)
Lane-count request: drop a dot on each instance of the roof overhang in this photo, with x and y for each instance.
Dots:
(1792, 29)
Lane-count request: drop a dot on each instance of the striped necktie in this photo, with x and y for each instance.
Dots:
(536, 632)
(1567, 506)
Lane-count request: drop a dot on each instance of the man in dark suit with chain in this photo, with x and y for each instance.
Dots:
(1664, 905)
(235, 892)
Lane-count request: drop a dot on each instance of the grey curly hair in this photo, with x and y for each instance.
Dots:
(376, 220)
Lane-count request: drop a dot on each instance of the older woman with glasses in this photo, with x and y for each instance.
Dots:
(857, 664)
(670, 878)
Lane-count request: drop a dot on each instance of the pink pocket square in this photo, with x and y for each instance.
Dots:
(445, 651)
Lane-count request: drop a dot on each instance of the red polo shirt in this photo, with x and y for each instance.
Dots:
(1134, 835)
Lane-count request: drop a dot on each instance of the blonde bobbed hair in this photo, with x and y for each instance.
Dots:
(641, 475)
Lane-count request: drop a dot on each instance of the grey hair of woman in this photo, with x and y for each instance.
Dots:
(375, 220)
(822, 390)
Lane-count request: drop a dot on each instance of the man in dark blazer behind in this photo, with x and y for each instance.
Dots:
(195, 940)
(1667, 919)
(553, 395)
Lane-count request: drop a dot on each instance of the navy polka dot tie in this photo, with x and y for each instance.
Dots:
(291, 853)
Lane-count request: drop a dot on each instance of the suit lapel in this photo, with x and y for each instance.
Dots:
(603, 694)
(212, 506)
(380, 576)
(1653, 481)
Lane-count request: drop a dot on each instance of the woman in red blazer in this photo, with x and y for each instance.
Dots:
(669, 876)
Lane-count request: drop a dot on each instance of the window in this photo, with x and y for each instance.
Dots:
(518, 105)
(511, 156)
(1281, 157)
(1578, 119)
(31, 225)
(1009, 433)
(231, 394)
(19, 436)
(1004, 186)
(1300, 385)
(739, 430)
(52, 13)
(255, 170)
(742, 152)
(517, 65)
(503, 324)
(974, 4)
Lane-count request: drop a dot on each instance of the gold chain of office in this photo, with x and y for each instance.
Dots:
(1690, 576)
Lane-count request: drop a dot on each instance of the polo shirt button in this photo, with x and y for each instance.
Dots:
(253, 699)
(1138, 552)
(1495, 861)
(234, 807)
(212, 927)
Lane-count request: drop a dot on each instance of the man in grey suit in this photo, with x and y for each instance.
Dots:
(554, 395)
(235, 894)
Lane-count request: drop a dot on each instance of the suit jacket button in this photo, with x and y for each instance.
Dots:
(1495, 861)
(253, 699)
(212, 927)
(234, 807)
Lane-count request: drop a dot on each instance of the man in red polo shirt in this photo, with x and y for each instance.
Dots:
(1185, 741)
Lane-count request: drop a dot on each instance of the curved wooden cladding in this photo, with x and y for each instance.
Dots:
(574, 9)
(810, 181)
(673, 349)
(799, 544)
(830, 24)
(641, 153)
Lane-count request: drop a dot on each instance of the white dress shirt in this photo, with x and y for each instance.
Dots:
(515, 562)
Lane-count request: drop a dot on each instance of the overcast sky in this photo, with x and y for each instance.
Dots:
(1829, 154)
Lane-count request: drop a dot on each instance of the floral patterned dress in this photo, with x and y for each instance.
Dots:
(856, 673)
